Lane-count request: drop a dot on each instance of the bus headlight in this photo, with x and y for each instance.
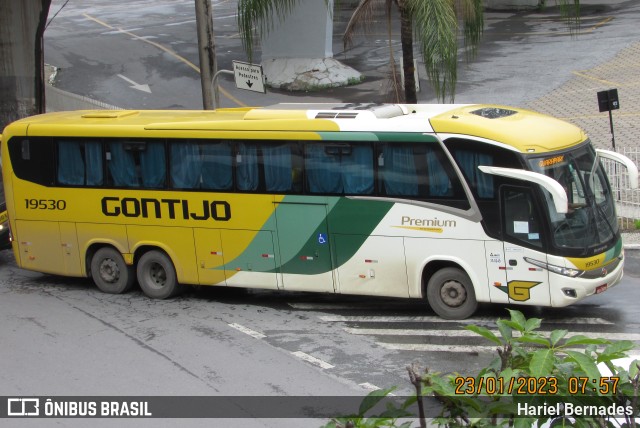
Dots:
(555, 269)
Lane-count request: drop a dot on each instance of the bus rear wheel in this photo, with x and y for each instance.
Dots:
(157, 275)
(110, 273)
(450, 294)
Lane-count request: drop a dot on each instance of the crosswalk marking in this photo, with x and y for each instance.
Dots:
(467, 333)
(443, 331)
(458, 348)
(435, 319)
(425, 347)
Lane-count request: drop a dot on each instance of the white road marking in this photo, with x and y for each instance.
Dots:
(173, 24)
(120, 31)
(248, 331)
(425, 347)
(313, 360)
(140, 87)
(435, 319)
(369, 386)
(467, 333)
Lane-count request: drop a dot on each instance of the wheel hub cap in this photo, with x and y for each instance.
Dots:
(109, 271)
(453, 293)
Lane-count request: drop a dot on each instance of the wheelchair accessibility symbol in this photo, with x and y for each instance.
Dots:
(322, 238)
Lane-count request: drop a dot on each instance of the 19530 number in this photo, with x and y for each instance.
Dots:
(45, 204)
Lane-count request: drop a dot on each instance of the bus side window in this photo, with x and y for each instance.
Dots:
(278, 169)
(136, 163)
(271, 166)
(416, 171)
(33, 159)
(480, 182)
(80, 163)
(398, 170)
(201, 164)
(247, 172)
(217, 165)
(339, 168)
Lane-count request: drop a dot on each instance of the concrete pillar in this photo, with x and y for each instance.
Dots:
(297, 53)
(21, 68)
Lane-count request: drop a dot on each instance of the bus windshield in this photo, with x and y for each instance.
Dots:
(590, 223)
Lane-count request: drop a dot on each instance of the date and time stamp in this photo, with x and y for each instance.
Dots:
(606, 385)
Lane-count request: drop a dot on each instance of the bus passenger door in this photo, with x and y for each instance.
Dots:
(303, 239)
(526, 283)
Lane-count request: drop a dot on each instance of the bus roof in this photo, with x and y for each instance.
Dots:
(526, 131)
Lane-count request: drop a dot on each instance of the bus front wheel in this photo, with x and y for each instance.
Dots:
(450, 294)
(110, 273)
(157, 275)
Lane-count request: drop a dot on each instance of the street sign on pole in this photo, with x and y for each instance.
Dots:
(249, 76)
(607, 101)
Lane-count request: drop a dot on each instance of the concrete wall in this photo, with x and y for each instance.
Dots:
(305, 33)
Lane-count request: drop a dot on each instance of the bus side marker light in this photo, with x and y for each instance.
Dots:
(362, 276)
(497, 284)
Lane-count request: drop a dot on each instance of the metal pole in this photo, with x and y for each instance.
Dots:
(214, 86)
(613, 137)
(206, 50)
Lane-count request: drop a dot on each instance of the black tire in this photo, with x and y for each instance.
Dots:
(110, 273)
(157, 275)
(451, 295)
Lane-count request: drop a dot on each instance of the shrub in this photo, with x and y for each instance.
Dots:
(550, 372)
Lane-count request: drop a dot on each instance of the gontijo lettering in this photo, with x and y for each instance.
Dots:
(113, 206)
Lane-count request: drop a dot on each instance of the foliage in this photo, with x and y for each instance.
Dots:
(637, 224)
(387, 418)
(548, 369)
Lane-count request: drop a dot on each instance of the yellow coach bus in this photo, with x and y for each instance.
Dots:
(453, 204)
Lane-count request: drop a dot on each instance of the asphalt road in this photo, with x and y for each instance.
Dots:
(63, 337)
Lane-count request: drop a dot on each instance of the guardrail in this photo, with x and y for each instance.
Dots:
(627, 200)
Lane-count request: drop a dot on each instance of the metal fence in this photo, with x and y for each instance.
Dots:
(627, 200)
(59, 100)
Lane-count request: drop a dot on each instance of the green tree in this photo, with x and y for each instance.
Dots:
(433, 24)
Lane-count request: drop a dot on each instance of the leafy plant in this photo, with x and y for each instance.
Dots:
(531, 371)
(387, 418)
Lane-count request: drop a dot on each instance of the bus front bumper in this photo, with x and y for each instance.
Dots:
(566, 291)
